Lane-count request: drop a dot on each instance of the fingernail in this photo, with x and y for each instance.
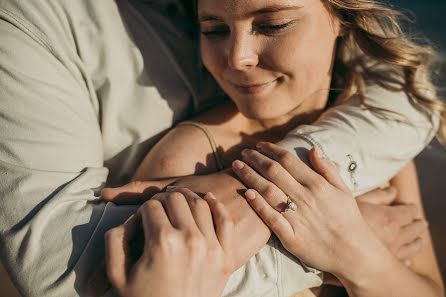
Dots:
(170, 188)
(260, 145)
(129, 220)
(244, 152)
(237, 165)
(210, 195)
(250, 194)
(407, 262)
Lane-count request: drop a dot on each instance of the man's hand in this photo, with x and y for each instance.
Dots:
(180, 247)
(398, 226)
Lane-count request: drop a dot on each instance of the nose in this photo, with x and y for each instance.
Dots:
(242, 52)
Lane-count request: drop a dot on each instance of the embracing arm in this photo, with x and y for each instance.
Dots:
(425, 262)
(320, 233)
(177, 155)
(367, 147)
(51, 224)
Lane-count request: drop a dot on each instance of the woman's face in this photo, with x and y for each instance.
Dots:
(272, 57)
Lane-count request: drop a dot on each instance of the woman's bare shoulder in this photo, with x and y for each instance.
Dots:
(184, 150)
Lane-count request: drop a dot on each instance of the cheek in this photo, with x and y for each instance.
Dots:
(305, 56)
(212, 57)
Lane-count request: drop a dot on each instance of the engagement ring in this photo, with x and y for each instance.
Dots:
(290, 206)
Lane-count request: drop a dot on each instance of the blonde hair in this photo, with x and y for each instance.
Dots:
(375, 30)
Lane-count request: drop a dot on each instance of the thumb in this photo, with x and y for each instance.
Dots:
(117, 251)
(327, 169)
(135, 192)
(379, 196)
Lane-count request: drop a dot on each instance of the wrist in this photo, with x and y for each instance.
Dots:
(360, 257)
(365, 267)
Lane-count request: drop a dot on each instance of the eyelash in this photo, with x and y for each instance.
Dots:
(265, 29)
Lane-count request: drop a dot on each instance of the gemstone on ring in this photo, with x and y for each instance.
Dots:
(292, 206)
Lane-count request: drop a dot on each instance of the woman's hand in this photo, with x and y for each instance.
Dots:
(183, 255)
(327, 230)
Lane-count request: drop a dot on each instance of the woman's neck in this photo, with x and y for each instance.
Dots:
(305, 113)
(235, 132)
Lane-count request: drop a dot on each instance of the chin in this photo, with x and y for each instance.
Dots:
(260, 113)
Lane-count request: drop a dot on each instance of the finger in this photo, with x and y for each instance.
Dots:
(154, 218)
(272, 171)
(404, 214)
(224, 223)
(117, 242)
(135, 192)
(412, 231)
(200, 212)
(379, 196)
(271, 217)
(408, 251)
(252, 179)
(300, 171)
(327, 169)
(179, 212)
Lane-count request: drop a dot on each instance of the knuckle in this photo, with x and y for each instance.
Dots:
(228, 221)
(224, 217)
(150, 205)
(269, 191)
(308, 200)
(318, 184)
(200, 204)
(195, 243)
(285, 158)
(175, 196)
(164, 239)
(272, 168)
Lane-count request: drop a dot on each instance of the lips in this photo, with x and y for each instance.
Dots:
(253, 88)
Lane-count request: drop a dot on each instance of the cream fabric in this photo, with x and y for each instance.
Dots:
(86, 87)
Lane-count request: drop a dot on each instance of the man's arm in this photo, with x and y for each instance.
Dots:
(51, 163)
(368, 147)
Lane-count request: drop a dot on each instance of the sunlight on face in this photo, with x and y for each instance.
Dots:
(272, 57)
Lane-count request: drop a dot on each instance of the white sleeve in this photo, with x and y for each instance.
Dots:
(367, 146)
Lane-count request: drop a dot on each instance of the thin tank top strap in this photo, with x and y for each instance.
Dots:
(211, 139)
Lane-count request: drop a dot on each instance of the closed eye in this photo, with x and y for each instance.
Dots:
(271, 29)
(215, 32)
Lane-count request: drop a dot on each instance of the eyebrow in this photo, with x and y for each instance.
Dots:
(269, 9)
